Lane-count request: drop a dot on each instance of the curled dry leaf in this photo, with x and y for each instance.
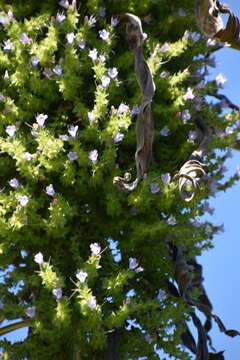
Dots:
(192, 172)
(211, 24)
(144, 124)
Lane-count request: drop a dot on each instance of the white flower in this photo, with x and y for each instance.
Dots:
(189, 94)
(92, 302)
(154, 188)
(50, 190)
(31, 311)
(104, 34)
(91, 117)
(10, 130)
(118, 137)
(93, 54)
(38, 258)
(122, 109)
(28, 156)
(220, 79)
(23, 199)
(81, 276)
(57, 293)
(73, 131)
(8, 45)
(166, 178)
(60, 17)
(171, 220)
(40, 118)
(105, 81)
(133, 264)
(113, 72)
(14, 183)
(93, 156)
(95, 249)
(192, 135)
(70, 38)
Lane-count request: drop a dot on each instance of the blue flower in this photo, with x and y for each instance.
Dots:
(154, 188)
(166, 178)
(31, 311)
(58, 70)
(95, 249)
(135, 110)
(81, 44)
(165, 131)
(73, 131)
(10, 130)
(25, 39)
(23, 199)
(118, 137)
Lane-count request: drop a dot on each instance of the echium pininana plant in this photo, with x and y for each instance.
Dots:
(93, 272)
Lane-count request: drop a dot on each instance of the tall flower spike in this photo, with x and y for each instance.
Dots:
(144, 124)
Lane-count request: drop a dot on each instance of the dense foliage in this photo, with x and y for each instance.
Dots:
(86, 266)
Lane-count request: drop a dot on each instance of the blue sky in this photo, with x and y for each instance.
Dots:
(221, 265)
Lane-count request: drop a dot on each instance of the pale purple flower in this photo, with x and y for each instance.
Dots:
(64, 137)
(60, 17)
(166, 178)
(211, 42)
(70, 38)
(92, 302)
(95, 249)
(23, 199)
(105, 81)
(48, 73)
(93, 156)
(31, 311)
(238, 170)
(64, 4)
(228, 130)
(8, 45)
(92, 20)
(72, 155)
(10, 130)
(185, 115)
(113, 72)
(102, 12)
(58, 70)
(189, 94)
(102, 58)
(81, 44)
(154, 188)
(122, 109)
(93, 54)
(57, 293)
(50, 190)
(14, 183)
(118, 137)
(103, 34)
(171, 220)
(114, 21)
(192, 135)
(164, 74)
(28, 156)
(220, 79)
(181, 12)
(3, 20)
(161, 296)
(165, 131)
(139, 269)
(34, 61)
(133, 264)
(74, 4)
(165, 48)
(10, 15)
(91, 117)
(73, 131)
(24, 38)
(135, 110)
(81, 276)
(38, 258)
(34, 132)
(2, 97)
(41, 118)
